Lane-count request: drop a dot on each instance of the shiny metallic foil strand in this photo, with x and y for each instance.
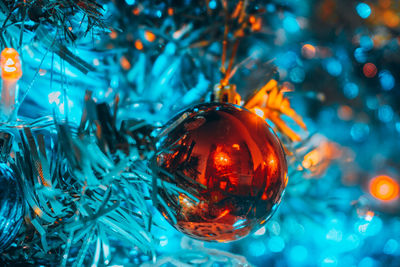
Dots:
(11, 206)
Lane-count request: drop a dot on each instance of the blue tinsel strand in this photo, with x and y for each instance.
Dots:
(11, 206)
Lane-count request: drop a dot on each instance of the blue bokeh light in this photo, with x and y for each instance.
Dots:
(286, 60)
(257, 248)
(366, 42)
(212, 4)
(387, 80)
(363, 10)
(290, 24)
(385, 113)
(271, 8)
(359, 132)
(297, 75)
(130, 2)
(298, 254)
(350, 90)
(334, 67)
(360, 55)
(276, 244)
(372, 102)
(367, 262)
(391, 247)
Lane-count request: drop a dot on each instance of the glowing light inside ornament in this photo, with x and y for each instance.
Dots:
(10, 64)
(221, 160)
(384, 188)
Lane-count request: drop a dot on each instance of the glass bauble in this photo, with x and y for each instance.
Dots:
(231, 160)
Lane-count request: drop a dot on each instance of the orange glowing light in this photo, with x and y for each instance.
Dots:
(149, 36)
(345, 113)
(384, 188)
(222, 185)
(113, 34)
(10, 64)
(311, 159)
(308, 51)
(236, 146)
(221, 159)
(252, 19)
(318, 159)
(138, 45)
(369, 215)
(170, 11)
(125, 64)
(391, 19)
(136, 11)
(225, 212)
(256, 26)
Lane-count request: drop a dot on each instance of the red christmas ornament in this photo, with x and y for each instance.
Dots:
(228, 158)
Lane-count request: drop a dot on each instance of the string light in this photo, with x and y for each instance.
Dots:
(10, 64)
(11, 72)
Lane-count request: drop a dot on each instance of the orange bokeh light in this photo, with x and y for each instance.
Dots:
(10, 64)
(391, 19)
(138, 45)
(308, 51)
(149, 36)
(113, 34)
(125, 64)
(384, 188)
(136, 11)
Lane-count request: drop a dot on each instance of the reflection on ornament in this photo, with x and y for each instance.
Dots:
(228, 158)
(11, 206)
